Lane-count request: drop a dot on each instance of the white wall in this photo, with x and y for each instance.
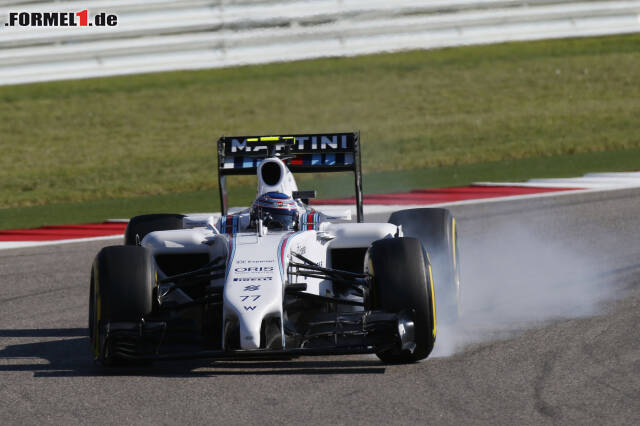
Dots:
(161, 35)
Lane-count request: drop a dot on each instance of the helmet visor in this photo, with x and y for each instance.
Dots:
(278, 218)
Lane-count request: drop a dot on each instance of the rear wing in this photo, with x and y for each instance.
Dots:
(306, 153)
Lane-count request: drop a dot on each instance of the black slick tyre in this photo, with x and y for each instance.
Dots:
(401, 281)
(122, 287)
(140, 226)
(436, 230)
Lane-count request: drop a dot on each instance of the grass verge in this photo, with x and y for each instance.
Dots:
(133, 136)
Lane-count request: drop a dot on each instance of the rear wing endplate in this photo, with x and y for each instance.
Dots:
(305, 153)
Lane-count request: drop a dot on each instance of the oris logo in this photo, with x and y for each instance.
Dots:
(254, 269)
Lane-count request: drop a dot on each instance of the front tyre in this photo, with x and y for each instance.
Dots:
(122, 287)
(436, 230)
(401, 281)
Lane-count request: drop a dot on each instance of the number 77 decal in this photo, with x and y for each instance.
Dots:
(256, 297)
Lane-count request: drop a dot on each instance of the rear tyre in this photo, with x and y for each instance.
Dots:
(402, 281)
(140, 226)
(436, 230)
(122, 287)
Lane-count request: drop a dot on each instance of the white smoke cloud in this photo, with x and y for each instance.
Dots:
(516, 277)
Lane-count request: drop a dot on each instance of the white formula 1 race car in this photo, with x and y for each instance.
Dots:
(279, 279)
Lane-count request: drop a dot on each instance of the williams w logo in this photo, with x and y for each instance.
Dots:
(249, 308)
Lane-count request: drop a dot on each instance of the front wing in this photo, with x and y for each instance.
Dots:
(338, 333)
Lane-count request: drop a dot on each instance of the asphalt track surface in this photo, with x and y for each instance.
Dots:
(580, 370)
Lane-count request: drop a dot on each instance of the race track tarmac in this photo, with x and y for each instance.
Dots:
(550, 335)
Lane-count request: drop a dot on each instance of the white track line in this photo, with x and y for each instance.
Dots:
(22, 244)
(590, 181)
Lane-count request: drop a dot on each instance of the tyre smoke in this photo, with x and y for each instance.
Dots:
(521, 275)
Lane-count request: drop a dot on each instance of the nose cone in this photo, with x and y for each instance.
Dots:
(249, 335)
(253, 287)
(248, 312)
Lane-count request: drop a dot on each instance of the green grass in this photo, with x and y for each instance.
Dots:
(340, 185)
(133, 136)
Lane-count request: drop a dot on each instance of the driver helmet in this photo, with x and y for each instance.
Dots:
(277, 211)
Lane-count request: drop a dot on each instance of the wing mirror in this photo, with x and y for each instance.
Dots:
(304, 196)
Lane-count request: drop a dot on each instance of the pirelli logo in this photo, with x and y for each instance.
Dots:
(253, 279)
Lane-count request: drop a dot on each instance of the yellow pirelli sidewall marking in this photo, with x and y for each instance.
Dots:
(453, 237)
(98, 309)
(433, 301)
(97, 325)
(269, 138)
(252, 139)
